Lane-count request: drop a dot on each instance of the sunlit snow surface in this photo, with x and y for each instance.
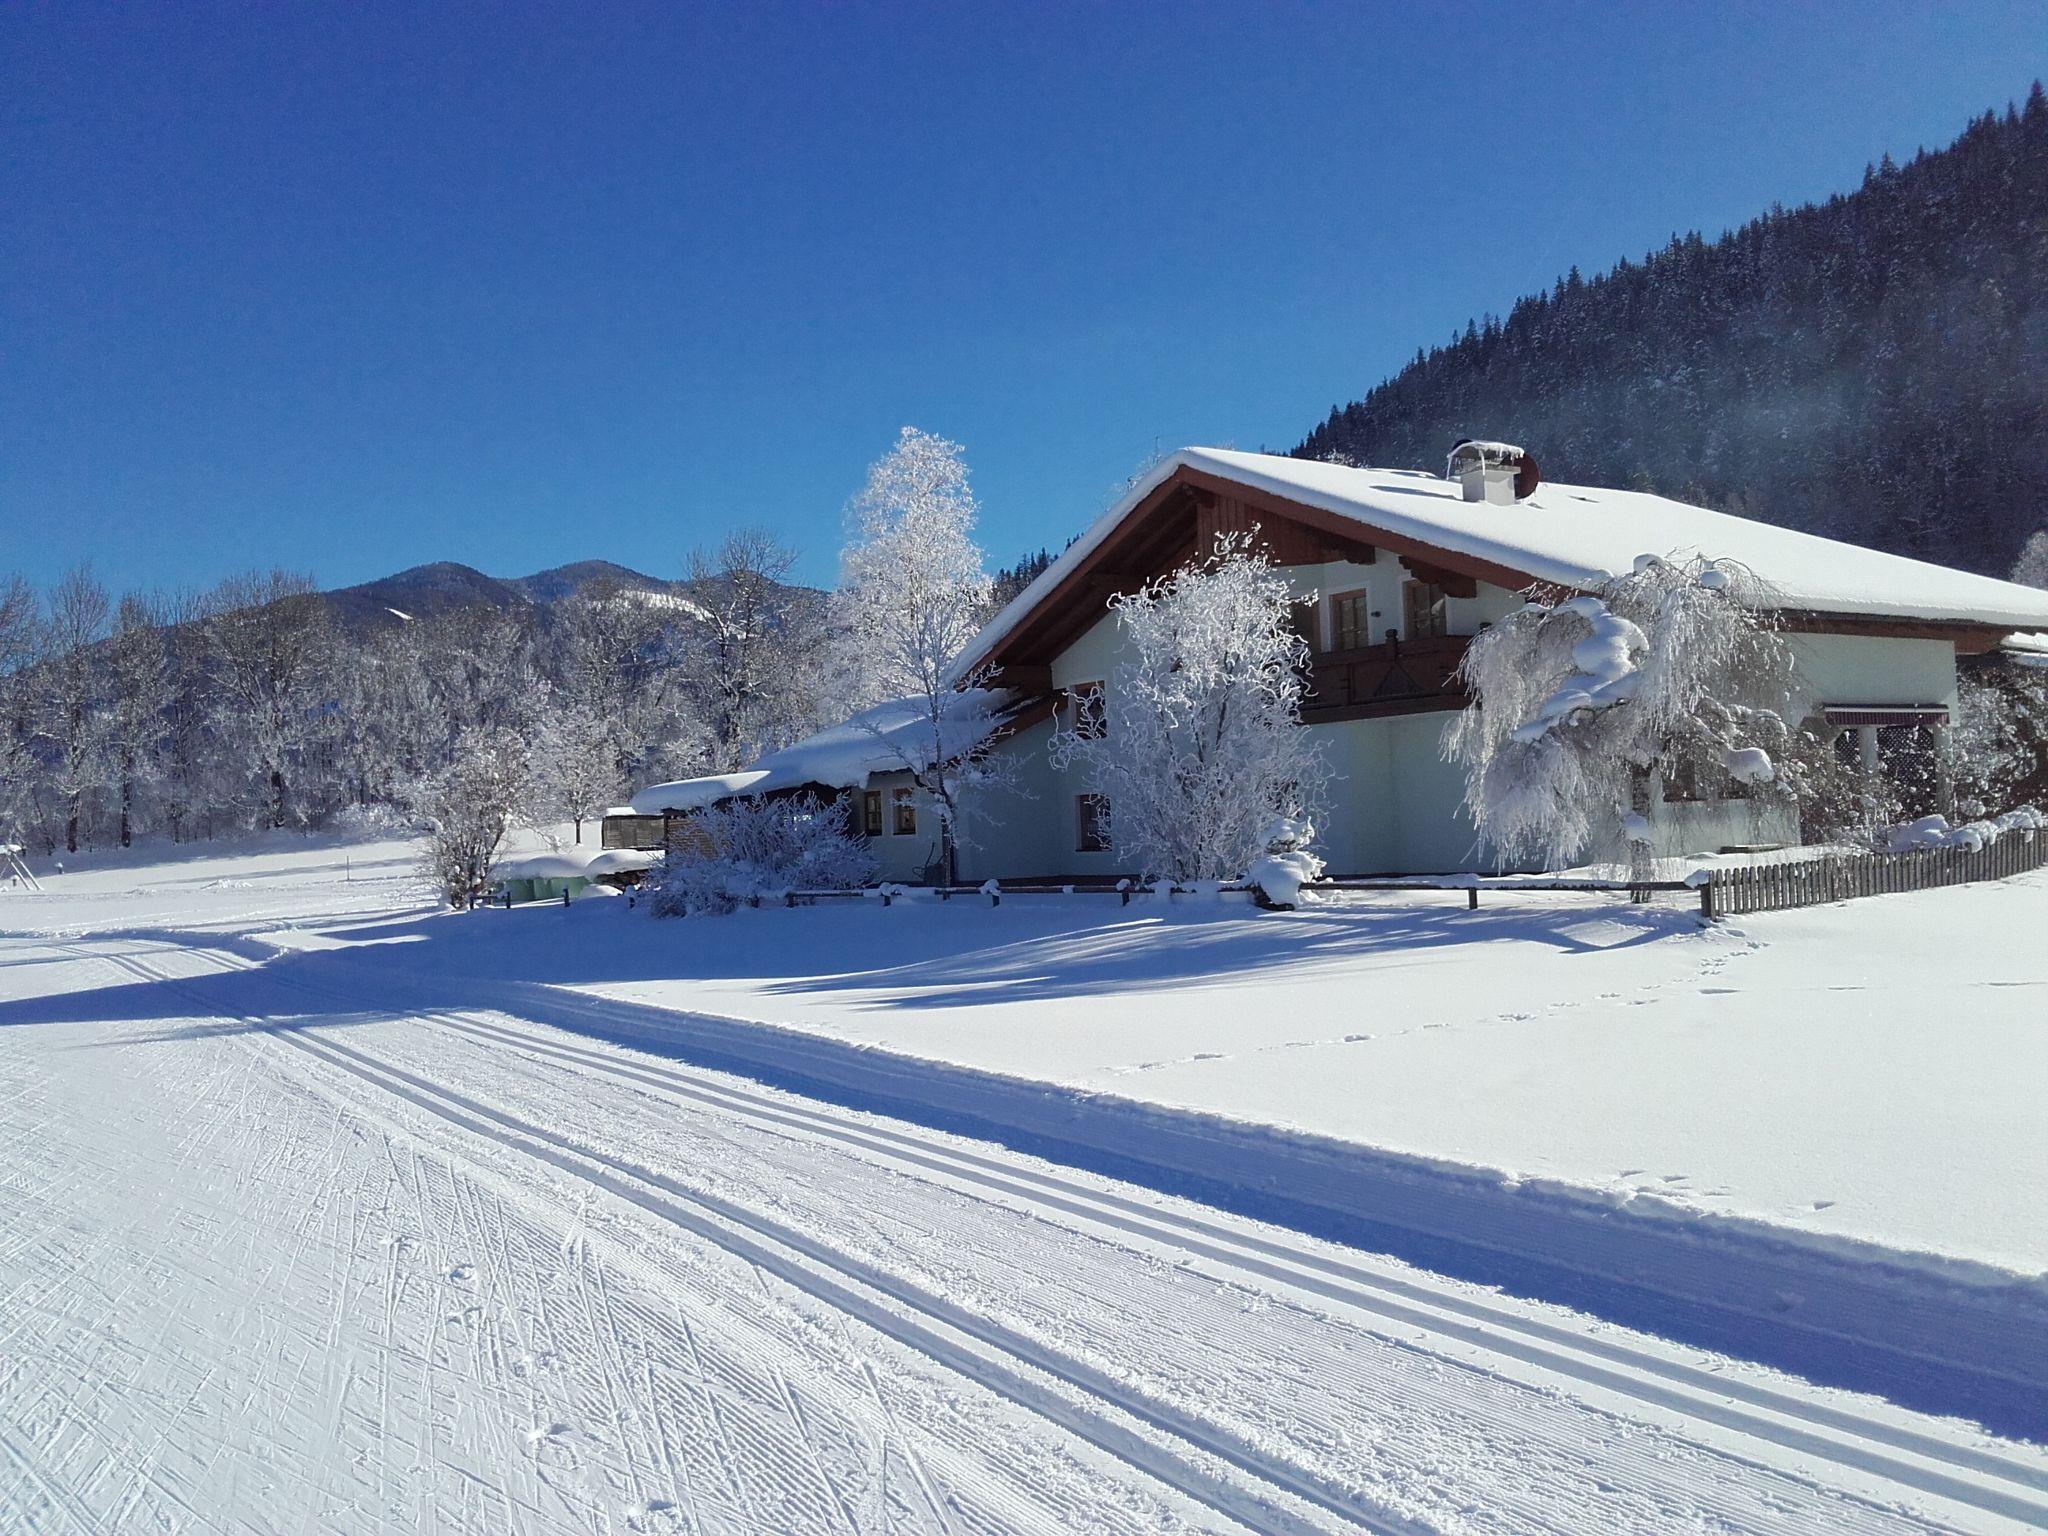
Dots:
(293, 1237)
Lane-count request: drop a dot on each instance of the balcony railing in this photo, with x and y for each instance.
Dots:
(1397, 678)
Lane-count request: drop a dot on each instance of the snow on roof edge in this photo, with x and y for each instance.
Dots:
(1476, 543)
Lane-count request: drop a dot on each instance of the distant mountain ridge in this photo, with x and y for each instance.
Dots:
(1872, 368)
(427, 591)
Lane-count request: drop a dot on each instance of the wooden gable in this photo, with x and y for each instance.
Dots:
(1179, 521)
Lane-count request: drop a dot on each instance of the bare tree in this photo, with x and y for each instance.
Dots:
(20, 641)
(754, 665)
(73, 723)
(139, 693)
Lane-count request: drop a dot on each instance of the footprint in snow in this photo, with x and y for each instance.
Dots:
(462, 1273)
(541, 1434)
(1822, 1205)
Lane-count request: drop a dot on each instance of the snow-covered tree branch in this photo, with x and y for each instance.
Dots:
(1673, 668)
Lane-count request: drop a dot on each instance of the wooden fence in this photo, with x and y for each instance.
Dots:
(1839, 877)
(1728, 892)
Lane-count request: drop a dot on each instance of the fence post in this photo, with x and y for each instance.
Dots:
(1706, 901)
(1472, 899)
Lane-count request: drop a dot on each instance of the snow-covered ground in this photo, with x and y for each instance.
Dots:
(311, 1219)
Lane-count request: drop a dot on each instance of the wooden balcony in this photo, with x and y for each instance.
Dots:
(1400, 677)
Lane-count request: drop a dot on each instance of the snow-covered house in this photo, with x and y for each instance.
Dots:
(1405, 568)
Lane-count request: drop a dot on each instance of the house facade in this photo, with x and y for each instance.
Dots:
(1398, 571)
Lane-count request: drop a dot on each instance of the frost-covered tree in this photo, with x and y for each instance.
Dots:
(140, 687)
(747, 850)
(912, 594)
(753, 663)
(575, 765)
(1198, 747)
(20, 638)
(1998, 746)
(271, 648)
(2031, 569)
(468, 807)
(73, 719)
(1576, 704)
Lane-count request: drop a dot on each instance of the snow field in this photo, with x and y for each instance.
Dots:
(622, 1291)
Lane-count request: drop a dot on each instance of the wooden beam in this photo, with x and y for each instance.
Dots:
(1453, 583)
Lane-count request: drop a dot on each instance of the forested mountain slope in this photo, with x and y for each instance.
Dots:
(1874, 368)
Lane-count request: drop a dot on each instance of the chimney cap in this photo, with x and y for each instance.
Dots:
(1471, 457)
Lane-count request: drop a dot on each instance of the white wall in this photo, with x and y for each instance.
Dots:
(1867, 669)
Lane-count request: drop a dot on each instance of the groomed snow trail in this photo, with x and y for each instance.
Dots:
(288, 1254)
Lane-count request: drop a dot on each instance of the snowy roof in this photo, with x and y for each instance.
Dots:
(876, 740)
(572, 863)
(2029, 650)
(1575, 536)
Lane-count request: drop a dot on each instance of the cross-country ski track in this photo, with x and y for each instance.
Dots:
(502, 1276)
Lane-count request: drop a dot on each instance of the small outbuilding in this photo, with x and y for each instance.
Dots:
(551, 876)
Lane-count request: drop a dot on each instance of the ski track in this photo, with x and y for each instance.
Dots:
(504, 1278)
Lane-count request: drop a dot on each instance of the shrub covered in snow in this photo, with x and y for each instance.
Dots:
(1198, 746)
(750, 849)
(1286, 865)
(1936, 832)
(1576, 704)
(1998, 746)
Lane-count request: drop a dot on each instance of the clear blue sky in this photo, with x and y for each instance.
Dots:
(347, 289)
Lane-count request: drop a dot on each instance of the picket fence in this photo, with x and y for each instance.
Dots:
(1840, 877)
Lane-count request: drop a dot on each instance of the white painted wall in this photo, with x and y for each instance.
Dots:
(1866, 669)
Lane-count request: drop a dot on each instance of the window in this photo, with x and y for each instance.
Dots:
(1087, 709)
(871, 812)
(1423, 611)
(906, 812)
(1350, 621)
(1091, 823)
